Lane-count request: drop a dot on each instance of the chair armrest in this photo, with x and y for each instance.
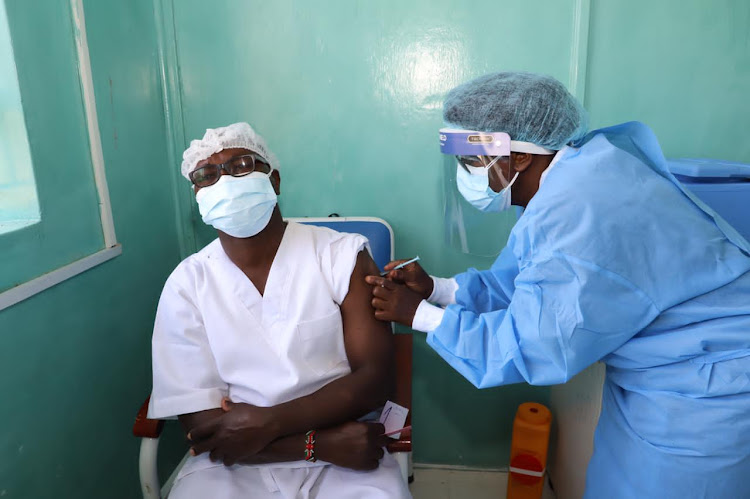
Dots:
(144, 427)
(404, 344)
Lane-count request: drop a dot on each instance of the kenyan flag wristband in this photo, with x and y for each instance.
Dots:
(310, 446)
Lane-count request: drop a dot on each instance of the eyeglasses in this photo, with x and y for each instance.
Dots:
(468, 162)
(239, 166)
(471, 161)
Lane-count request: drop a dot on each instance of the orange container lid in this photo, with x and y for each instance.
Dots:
(533, 414)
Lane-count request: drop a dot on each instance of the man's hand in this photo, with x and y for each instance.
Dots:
(392, 301)
(242, 431)
(412, 275)
(354, 445)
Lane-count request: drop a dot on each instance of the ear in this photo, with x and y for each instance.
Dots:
(276, 181)
(521, 160)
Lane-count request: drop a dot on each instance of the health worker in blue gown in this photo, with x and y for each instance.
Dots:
(612, 260)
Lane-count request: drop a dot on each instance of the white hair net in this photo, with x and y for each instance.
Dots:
(527, 106)
(236, 135)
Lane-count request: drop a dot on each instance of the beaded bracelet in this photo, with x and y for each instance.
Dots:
(310, 446)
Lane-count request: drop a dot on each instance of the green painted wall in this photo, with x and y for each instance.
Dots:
(75, 359)
(683, 67)
(349, 95)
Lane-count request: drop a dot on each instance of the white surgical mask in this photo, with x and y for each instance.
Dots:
(239, 206)
(475, 188)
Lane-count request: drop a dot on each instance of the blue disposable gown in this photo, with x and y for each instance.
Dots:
(612, 260)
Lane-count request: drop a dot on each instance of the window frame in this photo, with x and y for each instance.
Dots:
(111, 248)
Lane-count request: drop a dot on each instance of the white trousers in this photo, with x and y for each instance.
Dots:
(313, 482)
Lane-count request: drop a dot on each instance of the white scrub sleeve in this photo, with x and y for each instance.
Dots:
(339, 257)
(427, 317)
(185, 375)
(443, 291)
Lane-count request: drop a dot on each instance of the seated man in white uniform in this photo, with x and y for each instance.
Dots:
(266, 346)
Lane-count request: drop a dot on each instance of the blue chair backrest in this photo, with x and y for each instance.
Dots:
(376, 230)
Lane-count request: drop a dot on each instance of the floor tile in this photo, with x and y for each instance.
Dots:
(442, 483)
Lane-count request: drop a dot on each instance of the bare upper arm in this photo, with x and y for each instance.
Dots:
(368, 341)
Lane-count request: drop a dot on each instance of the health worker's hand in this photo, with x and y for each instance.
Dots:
(392, 301)
(354, 445)
(242, 431)
(412, 275)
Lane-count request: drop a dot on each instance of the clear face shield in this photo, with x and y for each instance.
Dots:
(471, 159)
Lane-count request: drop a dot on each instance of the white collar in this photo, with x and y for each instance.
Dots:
(552, 163)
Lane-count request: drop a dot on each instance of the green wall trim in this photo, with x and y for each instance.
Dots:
(88, 96)
(171, 85)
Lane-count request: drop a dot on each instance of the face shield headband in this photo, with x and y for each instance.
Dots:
(457, 142)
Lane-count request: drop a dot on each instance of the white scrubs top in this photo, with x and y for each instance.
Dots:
(215, 335)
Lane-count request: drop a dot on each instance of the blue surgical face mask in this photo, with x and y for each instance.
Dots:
(239, 206)
(475, 188)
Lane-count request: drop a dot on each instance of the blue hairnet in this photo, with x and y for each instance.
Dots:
(527, 106)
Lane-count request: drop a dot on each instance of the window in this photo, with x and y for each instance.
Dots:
(19, 205)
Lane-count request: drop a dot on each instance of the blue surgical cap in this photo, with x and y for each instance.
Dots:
(527, 106)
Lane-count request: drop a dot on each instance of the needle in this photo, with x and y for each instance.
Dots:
(400, 266)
